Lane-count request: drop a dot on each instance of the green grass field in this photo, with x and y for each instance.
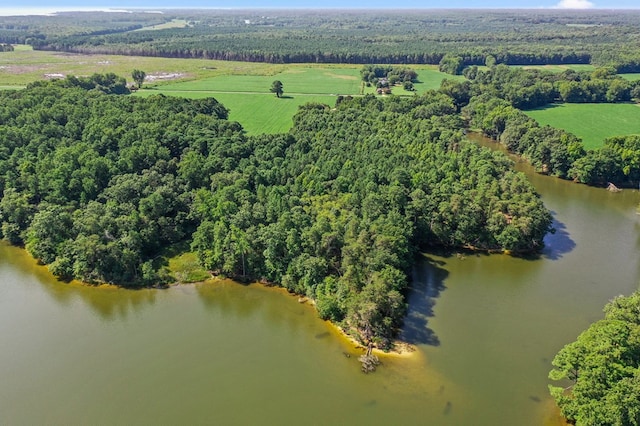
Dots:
(631, 77)
(591, 122)
(552, 68)
(258, 113)
(24, 65)
(174, 23)
(185, 268)
(561, 68)
(295, 80)
(243, 87)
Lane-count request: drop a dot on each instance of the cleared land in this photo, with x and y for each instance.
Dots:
(561, 68)
(294, 79)
(257, 112)
(591, 122)
(552, 68)
(631, 77)
(185, 268)
(24, 65)
(243, 87)
(174, 23)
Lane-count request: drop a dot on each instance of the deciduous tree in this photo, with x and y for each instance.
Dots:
(277, 88)
(138, 76)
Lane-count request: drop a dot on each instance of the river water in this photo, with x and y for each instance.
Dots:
(486, 328)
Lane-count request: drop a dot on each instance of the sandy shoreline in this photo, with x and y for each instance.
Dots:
(400, 348)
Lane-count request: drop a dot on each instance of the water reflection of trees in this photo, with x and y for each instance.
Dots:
(231, 300)
(107, 302)
(427, 283)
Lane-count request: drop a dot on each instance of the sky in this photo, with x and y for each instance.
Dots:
(48, 6)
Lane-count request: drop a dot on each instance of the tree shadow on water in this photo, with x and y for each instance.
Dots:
(559, 243)
(427, 283)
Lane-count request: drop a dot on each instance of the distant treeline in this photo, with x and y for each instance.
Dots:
(518, 37)
(96, 186)
(30, 29)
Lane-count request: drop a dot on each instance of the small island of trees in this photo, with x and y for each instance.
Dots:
(385, 77)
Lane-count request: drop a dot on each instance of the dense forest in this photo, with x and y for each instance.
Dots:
(97, 185)
(602, 368)
(30, 29)
(462, 37)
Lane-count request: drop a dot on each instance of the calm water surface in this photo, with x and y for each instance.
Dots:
(486, 328)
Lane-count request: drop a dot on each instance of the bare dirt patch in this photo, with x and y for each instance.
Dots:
(164, 76)
(21, 69)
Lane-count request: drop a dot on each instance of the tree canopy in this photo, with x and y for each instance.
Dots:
(97, 185)
(602, 369)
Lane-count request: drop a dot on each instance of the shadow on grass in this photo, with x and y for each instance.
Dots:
(545, 107)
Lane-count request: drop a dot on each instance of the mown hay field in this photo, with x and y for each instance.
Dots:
(243, 87)
(257, 112)
(591, 122)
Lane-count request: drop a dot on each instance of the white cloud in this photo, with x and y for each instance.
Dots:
(575, 4)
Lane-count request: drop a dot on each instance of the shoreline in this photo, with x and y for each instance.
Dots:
(400, 349)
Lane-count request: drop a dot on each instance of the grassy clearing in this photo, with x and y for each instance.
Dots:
(560, 68)
(552, 68)
(243, 87)
(631, 77)
(591, 122)
(266, 113)
(295, 80)
(185, 268)
(430, 78)
(22, 48)
(174, 23)
(258, 113)
(23, 66)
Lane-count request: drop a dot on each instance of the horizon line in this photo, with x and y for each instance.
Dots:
(52, 10)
